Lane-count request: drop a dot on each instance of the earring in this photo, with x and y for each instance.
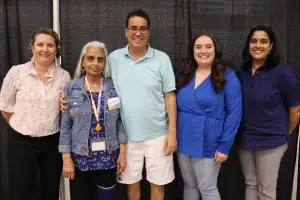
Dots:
(82, 71)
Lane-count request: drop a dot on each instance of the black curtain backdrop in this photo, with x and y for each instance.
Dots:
(173, 24)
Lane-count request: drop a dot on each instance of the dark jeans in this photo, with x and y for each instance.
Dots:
(84, 185)
(34, 161)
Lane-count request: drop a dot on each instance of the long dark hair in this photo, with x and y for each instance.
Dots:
(218, 68)
(273, 58)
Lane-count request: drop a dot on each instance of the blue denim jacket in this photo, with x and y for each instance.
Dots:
(76, 120)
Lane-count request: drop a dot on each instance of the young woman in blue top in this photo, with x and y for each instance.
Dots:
(209, 113)
(91, 130)
(271, 100)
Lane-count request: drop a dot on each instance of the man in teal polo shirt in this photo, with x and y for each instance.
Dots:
(145, 82)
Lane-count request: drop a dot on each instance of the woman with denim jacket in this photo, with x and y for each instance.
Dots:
(91, 129)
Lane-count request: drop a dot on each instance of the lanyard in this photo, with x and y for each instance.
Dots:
(95, 110)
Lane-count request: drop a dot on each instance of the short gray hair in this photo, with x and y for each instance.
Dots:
(78, 71)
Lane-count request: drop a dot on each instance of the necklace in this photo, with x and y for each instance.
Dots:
(95, 110)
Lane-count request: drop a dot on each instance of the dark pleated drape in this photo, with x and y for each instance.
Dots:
(173, 24)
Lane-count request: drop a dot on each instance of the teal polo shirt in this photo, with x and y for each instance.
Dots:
(141, 85)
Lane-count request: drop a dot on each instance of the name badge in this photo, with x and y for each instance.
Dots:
(113, 103)
(98, 145)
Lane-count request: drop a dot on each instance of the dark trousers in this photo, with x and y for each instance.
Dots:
(84, 185)
(34, 163)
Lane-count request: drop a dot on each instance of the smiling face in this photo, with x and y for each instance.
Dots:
(94, 61)
(44, 49)
(259, 46)
(204, 50)
(138, 39)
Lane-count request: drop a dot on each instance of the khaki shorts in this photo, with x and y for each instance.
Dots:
(159, 168)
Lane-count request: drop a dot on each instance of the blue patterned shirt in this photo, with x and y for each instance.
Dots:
(97, 160)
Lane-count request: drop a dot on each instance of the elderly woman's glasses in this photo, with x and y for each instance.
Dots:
(135, 29)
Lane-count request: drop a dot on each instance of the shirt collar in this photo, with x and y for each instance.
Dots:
(149, 52)
(49, 73)
(260, 69)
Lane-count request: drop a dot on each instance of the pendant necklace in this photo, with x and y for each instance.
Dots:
(95, 110)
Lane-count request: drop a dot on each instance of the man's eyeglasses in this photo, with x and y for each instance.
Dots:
(135, 29)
